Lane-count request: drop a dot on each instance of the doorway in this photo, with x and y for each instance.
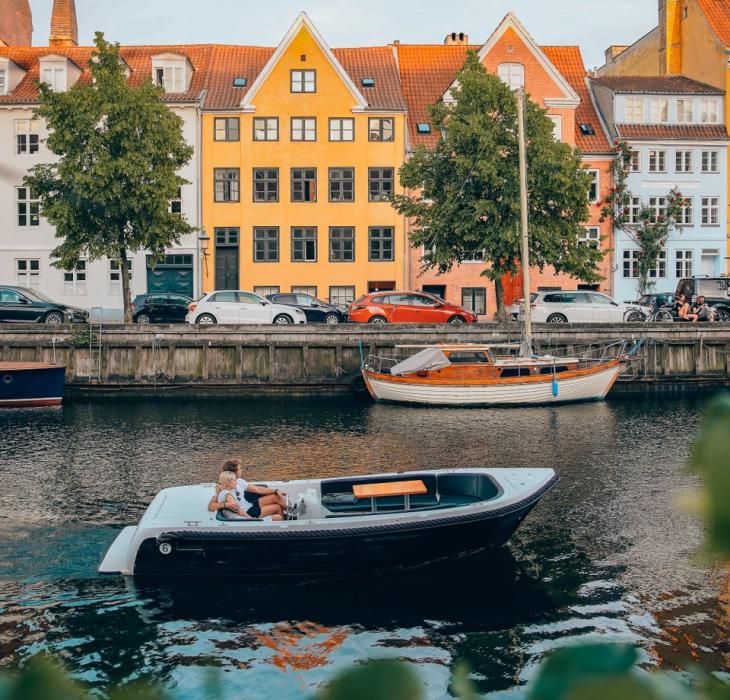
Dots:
(226, 258)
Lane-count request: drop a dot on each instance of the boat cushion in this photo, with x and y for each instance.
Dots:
(229, 516)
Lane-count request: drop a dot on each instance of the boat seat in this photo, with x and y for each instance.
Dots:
(228, 516)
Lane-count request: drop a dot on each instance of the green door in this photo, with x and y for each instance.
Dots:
(174, 274)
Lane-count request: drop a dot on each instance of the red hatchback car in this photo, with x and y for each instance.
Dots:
(406, 307)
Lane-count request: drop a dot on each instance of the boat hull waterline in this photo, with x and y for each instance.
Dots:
(583, 385)
(25, 384)
(327, 546)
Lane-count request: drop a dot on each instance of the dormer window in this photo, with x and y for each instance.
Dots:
(10, 75)
(170, 79)
(58, 72)
(660, 110)
(55, 78)
(708, 112)
(685, 111)
(3, 82)
(634, 110)
(512, 74)
(171, 72)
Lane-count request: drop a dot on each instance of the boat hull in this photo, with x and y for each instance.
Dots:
(583, 385)
(31, 384)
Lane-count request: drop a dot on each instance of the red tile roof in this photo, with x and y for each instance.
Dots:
(376, 62)
(227, 63)
(684, 132)
(718, 16)
(660, 85)
(569, 62)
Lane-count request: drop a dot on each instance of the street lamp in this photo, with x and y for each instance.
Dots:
(203, 240)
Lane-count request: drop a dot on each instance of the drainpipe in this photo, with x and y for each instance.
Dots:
(199, 193)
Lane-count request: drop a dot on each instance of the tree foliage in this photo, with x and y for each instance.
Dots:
(119, 150)
(645, 226)
(464, 194)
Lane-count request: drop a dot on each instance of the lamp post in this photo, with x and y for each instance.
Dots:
(203, 240)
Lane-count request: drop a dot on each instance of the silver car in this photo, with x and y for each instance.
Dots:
(581, 306)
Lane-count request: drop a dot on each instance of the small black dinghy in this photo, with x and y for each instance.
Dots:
(342, 525)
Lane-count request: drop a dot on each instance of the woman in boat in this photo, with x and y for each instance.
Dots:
(256, 499)
(230, 498)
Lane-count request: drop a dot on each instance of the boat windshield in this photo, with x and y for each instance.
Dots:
(430, 358)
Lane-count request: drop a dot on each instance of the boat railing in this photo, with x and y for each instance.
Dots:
(382, 364)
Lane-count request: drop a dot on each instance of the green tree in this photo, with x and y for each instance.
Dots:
(119, 150)
(645, 226)
(463, 196)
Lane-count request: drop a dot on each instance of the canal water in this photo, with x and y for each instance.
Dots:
(607, 556)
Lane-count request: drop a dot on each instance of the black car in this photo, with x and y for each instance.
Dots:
(23, 305)
(716, 291)
(316, 310)
(160, 307)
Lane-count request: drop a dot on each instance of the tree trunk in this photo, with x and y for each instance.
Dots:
(499, 298)
(126, 291)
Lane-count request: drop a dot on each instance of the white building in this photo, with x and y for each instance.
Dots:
(675, 128)
(26, 239)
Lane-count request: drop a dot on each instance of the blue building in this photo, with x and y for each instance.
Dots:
(676, 130)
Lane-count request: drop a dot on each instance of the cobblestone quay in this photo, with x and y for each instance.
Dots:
(325, 359)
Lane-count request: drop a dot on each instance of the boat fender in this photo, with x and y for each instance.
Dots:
(555, 386)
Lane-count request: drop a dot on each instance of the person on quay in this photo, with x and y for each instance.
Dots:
(255, 499)
(682, 310)
(703, 310)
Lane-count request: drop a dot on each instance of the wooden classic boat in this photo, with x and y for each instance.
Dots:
(342, 525)
(470, 375)
(31, 384)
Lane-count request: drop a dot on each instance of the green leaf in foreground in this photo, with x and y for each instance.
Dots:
(382, 680)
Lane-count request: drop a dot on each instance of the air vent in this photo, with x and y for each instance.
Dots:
(423, 128)
(368, 82)
(587, 129)
(240, 82)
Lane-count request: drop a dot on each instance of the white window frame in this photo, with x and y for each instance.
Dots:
(657, 157)
(683, 161)
(630, 256)
(342, 294)
(660, 270)
(32, 208)
(266, 128)
(635, 207)
(596, 183)
(685, 111)
(683, 263)
(3, 81)
(557, 121)
(710, 211)
(305, 128)
(264, 290)
(170, 78)
(55, 76)
(115, 277)
(591, 236)
(709, 111)
(341, 129)
(710, 161)
(634, 110)
(659, 110)
(635, 164)
(27, 136)
(687, 215)
(74, 281)
(28, 273)
(176, 203)
(660, 206)
(512, 75)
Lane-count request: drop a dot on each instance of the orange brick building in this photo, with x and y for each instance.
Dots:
(555, 78)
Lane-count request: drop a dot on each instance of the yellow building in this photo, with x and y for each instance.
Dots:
(301, 148)
(692, 39)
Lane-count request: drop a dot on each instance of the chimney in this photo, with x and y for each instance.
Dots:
(456, 39)
(64, 28)
(613, 51)
(16, 23)
(670, 37)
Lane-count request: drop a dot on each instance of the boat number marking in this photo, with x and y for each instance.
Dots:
(165, 548)
(7, 378)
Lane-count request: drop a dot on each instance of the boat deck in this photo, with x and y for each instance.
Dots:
(15, 366)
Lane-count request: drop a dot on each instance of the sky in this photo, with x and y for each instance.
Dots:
(592, 25)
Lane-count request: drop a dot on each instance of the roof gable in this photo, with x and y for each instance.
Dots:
(302, 24)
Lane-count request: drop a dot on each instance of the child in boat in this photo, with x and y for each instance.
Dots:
(255, 501)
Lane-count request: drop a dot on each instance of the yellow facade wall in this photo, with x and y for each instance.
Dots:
(641, 58)
(331, 99)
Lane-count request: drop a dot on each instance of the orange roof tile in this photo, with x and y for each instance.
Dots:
(376, 62)
(227, 63)
(718, 15)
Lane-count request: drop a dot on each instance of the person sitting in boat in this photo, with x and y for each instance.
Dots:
(681, 308)
(230, 498)
(256, 498)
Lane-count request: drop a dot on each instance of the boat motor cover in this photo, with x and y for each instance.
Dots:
(430, 358)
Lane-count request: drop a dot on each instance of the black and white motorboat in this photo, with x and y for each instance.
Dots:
(341, 526)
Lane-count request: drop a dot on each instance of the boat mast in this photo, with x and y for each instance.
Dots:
(526, 350)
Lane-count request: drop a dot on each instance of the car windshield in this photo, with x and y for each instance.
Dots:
(38, 296)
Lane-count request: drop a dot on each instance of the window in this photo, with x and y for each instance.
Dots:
(54, 77)
(225, 297)
(634, 110)
(512, 75)
(266, 129)
(74, 281)
(227, 129)
(28, 273)
(708, 111)
(304, 244)
(474, 299)
(686, 215)
(660, 270)
(683, 263)
(226, 237)
(176, 203)
(710, 161)
(342, 295)
(26, 135)
(657, 161)
(557, 126)
(28, 207)
(304, 185)
(634, 210)
(710, 211)
(3, 82)
(380, 239)
(683, 161)
(342, 185)
(227, 184)
(475, 257)
(631, 264)
(380, 129)
(659, 207)
(593, 190)
(303, 129)
(304, 81)
(312, 291)
(265, 184)
(380, 184)
(342, 243)
(635, 165)
(342, 129)
(170, 78)
(115, 277)
(265, 291)
(685, 111)
(659, 110)
(591, 236)
(266, 244)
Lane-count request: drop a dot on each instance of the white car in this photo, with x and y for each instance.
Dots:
(576, 307)
(241, 307)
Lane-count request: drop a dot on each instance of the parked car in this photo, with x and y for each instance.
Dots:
(654, 299)
(160, 308)
(241, 307)
(316, 310)
(716, 291)
(577, 307)
(406, 307)
(23, 305)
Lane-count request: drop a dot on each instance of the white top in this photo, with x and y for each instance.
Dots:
(237, 495)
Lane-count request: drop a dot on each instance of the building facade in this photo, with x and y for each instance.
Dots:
(676, 130)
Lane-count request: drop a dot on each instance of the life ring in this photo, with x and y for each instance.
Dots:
(8, 378)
